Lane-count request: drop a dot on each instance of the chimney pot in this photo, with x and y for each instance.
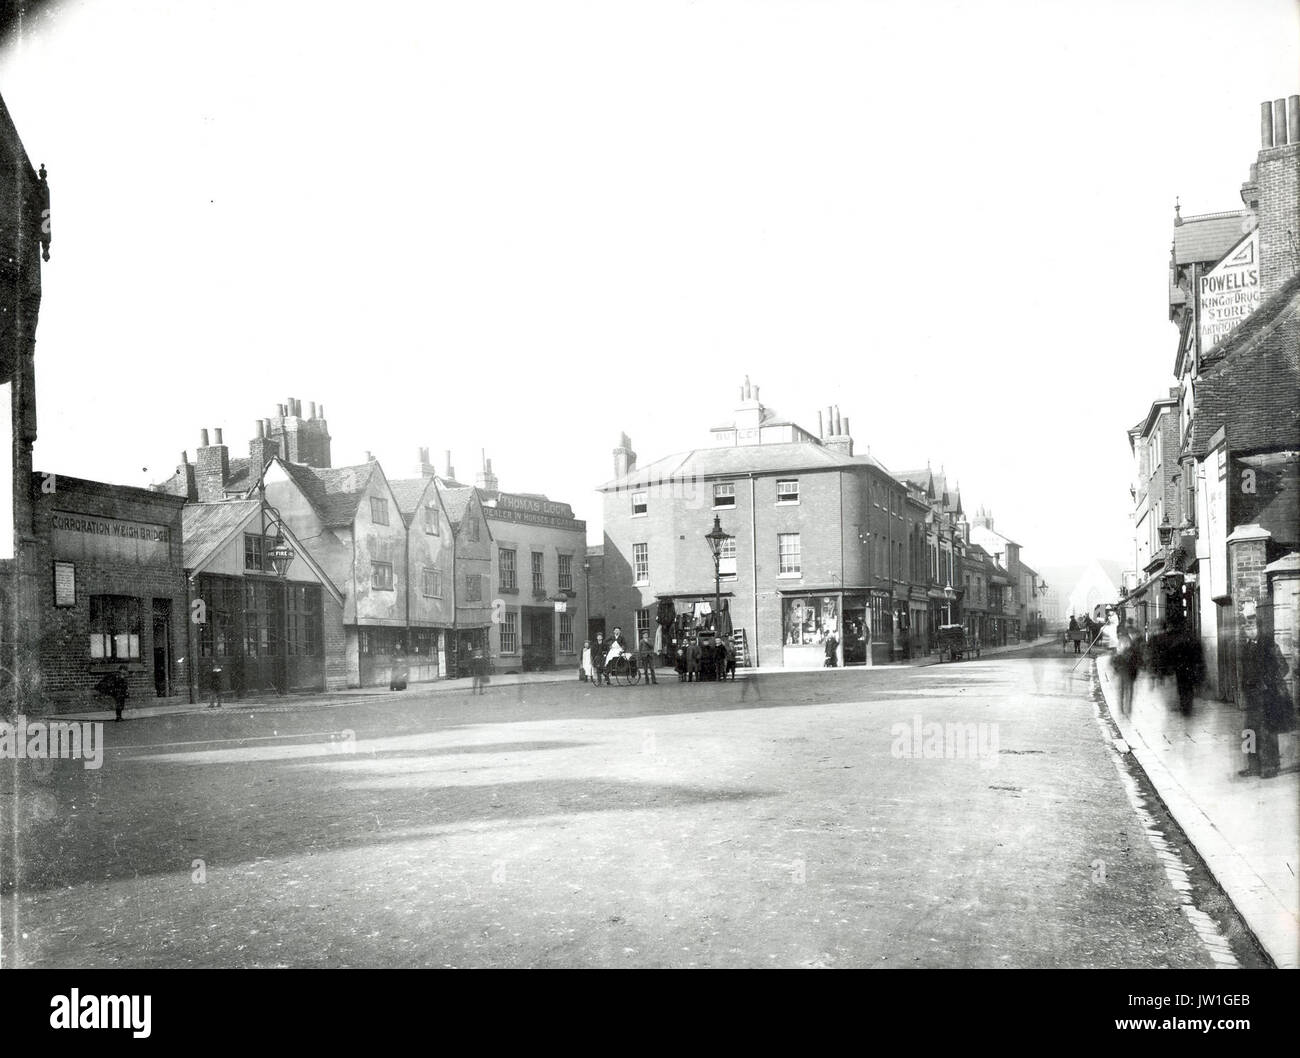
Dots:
(185, 458)
(311, 407)
(204, 435)
(755, 394)
(321, 412)
(846, 425)
(1266, 125)
(261, 430)
(821, 428)
(1293, 118)
(1279, 123)
(216, 430)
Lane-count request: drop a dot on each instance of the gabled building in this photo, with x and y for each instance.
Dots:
(257, 631)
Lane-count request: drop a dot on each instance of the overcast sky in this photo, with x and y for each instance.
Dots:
(529, 226)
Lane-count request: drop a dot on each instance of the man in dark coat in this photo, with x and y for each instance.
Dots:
(832, 644)
(1263, 683)
(598, 651)
(115, 686)
(1074, 627)
(1187, 661)
(645, 658)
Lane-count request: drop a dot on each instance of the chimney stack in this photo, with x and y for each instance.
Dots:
(624, 457)
(203, 434)
(485, 479)
(261, 449)
(213, 469)
(1265, 125)
(1276, 194)
(1293, 118)
(1279, 123)
(451, 471)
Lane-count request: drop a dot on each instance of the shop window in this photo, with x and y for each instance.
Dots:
(641, 563)
(809, 621)
(381, 576)
(114, 628)
(304, 620)
(724, 496)
(787, 491)
(508, 573)
(510, 632)
(789, 561)
(565, 563)
(378, 510)
(640, 503)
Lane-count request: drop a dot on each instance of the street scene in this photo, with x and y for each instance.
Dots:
(700, 484)
(789, 820)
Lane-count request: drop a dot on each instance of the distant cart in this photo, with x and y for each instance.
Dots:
(956, 644)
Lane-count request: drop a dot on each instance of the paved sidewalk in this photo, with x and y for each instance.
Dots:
(1246, 829)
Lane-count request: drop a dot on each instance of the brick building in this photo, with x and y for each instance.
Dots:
(111, 591)
(825, 542)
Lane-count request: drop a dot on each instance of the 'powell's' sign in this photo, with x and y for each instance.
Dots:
(1229, 292)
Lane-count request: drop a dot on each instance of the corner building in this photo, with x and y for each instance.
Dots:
(821, 540)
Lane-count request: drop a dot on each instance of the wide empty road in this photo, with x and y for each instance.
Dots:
(960, 815)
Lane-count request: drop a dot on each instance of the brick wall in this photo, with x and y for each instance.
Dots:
(1278, 188)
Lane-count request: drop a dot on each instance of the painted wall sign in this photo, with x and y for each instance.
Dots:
(65, 584)
(86, 536)
(1230, 291)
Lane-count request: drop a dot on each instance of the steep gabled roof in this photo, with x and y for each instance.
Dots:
(1251, 381)
(409, 492)
(456, 501)
(1207, 237)
(206, 526)
(333, 492)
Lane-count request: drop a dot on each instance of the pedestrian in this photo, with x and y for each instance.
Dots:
(598, 651)
(1073, 632)
(1124, 664)
(585, 670)
(214, 686)
(479, 664)
(1187, 661)
(400, 671)
(116, 686)
(832, 644)
(1268, 702)
(645, 657)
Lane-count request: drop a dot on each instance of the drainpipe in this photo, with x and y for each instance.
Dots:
(753, 559)
(190, 638)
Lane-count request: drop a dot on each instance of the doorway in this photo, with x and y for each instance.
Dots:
(162, 647)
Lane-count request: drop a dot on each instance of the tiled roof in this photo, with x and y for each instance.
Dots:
(237, 479)
(1207, 237)
(456, 500)
(205, 526)
(1251, 383)
(333, 491)
(922, 478)
(408, 492)
(743, 459)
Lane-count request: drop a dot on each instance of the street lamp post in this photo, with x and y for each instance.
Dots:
(586, 601)
(716, 538)
(949, 595)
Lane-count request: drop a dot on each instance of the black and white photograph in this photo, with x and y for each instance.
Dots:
(650, 484)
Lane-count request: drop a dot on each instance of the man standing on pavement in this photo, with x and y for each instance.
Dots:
(645, 658)
(115, 686)
(1268, 705)
(598, 651)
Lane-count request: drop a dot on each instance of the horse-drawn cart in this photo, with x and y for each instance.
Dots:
(954, 642)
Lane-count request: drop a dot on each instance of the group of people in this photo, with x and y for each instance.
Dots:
(598, 655)
(1169, 652)
(1177, 652)
(1079, 631)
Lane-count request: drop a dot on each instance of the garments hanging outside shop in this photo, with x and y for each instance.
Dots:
(724, 620)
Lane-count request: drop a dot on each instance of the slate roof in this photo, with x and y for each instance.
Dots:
(1252, 380)
(927, 477)
(1207, 237)
(744, 459)
(456, 500)
(204, 526)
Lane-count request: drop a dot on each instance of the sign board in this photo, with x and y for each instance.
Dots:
(90, 537)
(1216, 519)
(561, 606)
(65, 584)
(1229, 292)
